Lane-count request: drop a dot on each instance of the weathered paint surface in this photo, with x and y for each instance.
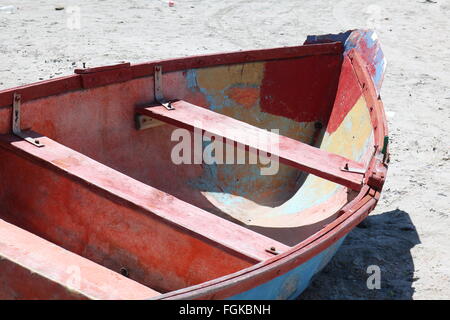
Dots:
(351, 140)
(287, 207)
(291, 284)
(367, 45)
(231, 188)
(302, 96)
(354, 135)
(119, 222)
(356, 119)
(348, 93)
(297, 97)
(230, 90)
(33, 268)
(289, 151)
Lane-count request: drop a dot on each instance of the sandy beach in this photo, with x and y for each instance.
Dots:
(408, 234)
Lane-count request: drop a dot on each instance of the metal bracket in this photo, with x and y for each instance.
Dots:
(16, 122)
(144, 122)
(355, 170)
(159, 96)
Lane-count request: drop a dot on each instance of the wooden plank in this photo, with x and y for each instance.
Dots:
(289, 151)
(102, 76)
(227, 58)
(41, 89)
(33, 268)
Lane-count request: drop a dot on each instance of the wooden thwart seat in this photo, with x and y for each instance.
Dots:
(289, 151)
(33, 268)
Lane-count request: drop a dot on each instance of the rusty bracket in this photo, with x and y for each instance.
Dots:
(16, 122)
(159, 96)
(355, 170)
(143, 122)
(273, 251)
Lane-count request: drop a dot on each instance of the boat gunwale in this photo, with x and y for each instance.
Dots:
(117, 73)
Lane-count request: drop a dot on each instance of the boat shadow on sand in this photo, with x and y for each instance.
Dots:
(384, 240)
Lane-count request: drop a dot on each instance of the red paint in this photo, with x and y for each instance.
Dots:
(41, 89)
(301, 89)
(347, 95)
(193, 62)
(103, 68)
(378, 171)
(103, 76)
(33, 268)
(351, 215)
(69, 83)
(116, 221)
(291, 152)
(370, 94)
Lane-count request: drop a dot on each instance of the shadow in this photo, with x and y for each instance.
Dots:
(384, 240)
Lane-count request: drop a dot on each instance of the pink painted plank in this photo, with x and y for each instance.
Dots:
(33, 268)
(289, 151)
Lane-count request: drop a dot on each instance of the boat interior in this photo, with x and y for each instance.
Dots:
(105, 188)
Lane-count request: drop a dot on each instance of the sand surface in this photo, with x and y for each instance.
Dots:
(408, 235)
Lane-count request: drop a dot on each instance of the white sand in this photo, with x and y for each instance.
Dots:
(408, 235)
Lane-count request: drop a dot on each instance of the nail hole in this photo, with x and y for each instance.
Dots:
(124, 272)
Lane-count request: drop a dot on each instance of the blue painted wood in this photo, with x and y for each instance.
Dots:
(291, 284)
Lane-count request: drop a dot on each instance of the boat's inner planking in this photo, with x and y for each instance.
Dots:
(110, 193)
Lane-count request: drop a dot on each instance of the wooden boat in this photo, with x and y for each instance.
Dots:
(92, 204)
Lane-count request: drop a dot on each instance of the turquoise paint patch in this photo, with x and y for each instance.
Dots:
(214, 105)
(191, 79)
